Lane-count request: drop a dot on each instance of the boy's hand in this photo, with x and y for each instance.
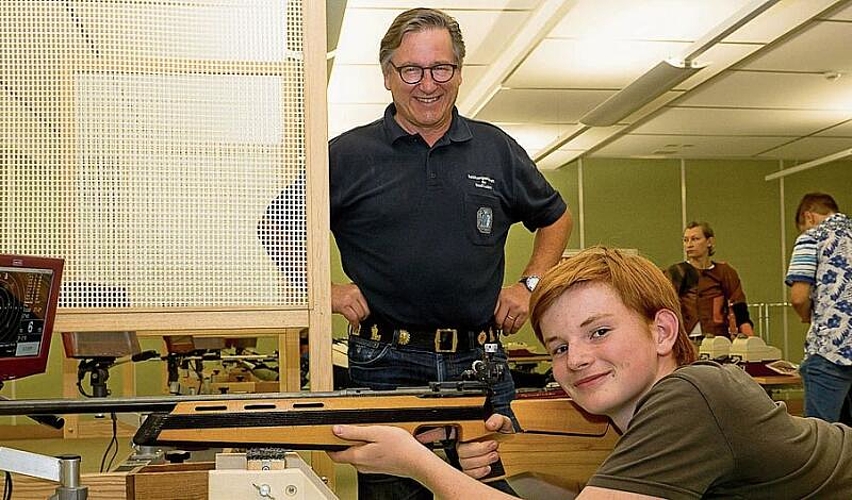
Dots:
(382, 449)
(476, 457)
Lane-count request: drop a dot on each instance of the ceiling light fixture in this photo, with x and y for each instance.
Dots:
(811, 164)
(667, 74)
(660, 79)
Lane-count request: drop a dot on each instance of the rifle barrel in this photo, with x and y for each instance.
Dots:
(149, 404)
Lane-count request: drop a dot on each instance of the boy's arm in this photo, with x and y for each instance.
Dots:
(391, 450)
(800, 298)
(597, 493)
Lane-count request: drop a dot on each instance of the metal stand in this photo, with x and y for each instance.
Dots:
(64, 469)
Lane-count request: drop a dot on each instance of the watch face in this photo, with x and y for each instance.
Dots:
(531, 282)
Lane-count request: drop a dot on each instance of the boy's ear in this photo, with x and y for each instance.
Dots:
(665, 328)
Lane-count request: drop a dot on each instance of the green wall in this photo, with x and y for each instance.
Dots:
(642, 204)
(633, 204)
(628, 204)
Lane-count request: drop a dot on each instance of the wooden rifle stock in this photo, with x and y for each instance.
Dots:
(557, 438)
(306, 423)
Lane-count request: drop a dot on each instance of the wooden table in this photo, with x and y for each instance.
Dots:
(774, 381)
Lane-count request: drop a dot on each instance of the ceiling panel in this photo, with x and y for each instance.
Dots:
(782, 18)
(733, 122)
(842, 14)
(843, 129)
(684, 146)
(809, 148)
(748, 89)
(762, 93)
(542, 105)
(822, 47)
(602, 64)
(483, 30)
(534, 137)
(445, 4)
(559, 158)
(644, 20)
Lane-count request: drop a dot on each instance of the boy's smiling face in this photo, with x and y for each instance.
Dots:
(605, 355)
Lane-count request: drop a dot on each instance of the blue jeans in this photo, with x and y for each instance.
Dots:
(827, 387)
(381, 366)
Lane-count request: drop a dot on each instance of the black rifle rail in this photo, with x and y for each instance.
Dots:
(151, 404)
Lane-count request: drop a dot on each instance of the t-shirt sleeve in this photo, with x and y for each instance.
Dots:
(673, 448)
(536, 202)
(803, 262)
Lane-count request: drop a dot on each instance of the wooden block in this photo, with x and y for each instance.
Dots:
(169, 482)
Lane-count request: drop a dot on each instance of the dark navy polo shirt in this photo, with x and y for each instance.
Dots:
(422, 230)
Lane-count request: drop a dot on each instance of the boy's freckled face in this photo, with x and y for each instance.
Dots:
(604, 354)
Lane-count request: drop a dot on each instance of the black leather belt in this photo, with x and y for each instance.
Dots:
(440, 340)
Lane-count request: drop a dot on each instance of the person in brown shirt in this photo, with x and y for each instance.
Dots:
(712, 299)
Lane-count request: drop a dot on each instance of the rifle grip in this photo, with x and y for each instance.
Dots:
(497, 472)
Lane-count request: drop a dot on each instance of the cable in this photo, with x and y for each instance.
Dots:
(114, 441)
(83, 391)
(112, 446)
(7, 487)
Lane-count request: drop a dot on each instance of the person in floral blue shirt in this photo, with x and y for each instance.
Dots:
(820, 281)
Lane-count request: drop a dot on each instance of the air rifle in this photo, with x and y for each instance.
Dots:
(556, 436)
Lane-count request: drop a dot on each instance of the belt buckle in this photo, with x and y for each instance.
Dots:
(440, 334)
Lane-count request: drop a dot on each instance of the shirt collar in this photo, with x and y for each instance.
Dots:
(459, 129)
(834, 218)
(837, 216)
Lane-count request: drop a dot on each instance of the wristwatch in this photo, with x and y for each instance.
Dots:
(530, 282)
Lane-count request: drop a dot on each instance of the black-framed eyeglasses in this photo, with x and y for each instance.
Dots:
(441, 73)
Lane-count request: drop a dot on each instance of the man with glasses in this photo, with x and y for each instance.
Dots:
(421, 204)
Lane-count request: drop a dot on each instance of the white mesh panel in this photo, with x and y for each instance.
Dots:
(143, 142)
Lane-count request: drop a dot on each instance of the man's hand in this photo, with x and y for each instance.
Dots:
(513, 307)
(348, 301)
(476, 457)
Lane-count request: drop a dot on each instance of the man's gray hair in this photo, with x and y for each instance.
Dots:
(415, 20)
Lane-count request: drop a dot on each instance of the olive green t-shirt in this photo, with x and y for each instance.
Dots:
(710, 431)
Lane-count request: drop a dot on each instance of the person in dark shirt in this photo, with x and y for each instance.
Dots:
(422, 200)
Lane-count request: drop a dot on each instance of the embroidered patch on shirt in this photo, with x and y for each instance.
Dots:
(481, 181)
(484, 220)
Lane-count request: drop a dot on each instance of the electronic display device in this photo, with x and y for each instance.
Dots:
(29, 294)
